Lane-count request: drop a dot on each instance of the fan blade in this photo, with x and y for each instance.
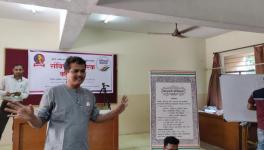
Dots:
(159, 33)
(188, 29)
(180, 36)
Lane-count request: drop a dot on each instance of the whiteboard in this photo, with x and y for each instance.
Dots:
(235, 91)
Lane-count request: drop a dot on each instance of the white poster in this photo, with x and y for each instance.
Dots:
(174, 108)
(45, 70)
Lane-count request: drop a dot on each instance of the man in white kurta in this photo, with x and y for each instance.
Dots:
(12, 88)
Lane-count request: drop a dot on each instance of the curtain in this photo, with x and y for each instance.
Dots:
(259, 58)
(214, 94)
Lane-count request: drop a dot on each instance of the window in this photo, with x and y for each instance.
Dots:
(242, 62)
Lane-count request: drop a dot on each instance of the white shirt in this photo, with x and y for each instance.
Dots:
(10, 84)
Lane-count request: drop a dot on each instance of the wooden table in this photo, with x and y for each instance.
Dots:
(216, 131)
(102, 136)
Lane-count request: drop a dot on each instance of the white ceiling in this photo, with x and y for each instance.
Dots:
(213, 16)
(20, 11)
(129, 24)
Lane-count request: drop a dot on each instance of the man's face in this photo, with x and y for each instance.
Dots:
(76, 75)
(18, 71)
(171, 147)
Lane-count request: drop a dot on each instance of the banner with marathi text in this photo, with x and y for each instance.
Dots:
(45, 70)
(174, 108)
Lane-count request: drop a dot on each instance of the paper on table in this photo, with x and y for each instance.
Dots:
(12, 98)
(104, 111)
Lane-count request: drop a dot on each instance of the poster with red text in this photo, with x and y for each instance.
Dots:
(46, 69)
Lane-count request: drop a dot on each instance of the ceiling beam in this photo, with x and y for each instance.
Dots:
(75, 21)
(73, 26)
(76, 16)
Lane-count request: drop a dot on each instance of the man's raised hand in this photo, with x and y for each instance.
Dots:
(20, 111)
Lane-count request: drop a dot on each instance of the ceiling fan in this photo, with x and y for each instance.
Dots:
(176, 32)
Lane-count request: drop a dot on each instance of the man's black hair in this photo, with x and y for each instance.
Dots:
(171, 140)
(18, 65)
(73, 59)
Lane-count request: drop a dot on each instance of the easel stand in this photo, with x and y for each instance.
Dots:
(104, 92)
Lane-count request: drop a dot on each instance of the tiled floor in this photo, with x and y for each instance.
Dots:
(205, 146)
(135, 142)
(6, 147)
(141, 142)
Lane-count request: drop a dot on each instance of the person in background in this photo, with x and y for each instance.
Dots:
(171, 143)
(256, 102)
(12, 88)
(68, 108)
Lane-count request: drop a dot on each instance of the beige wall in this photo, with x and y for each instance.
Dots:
(137, 55)
(24, 34)
(227, 41)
